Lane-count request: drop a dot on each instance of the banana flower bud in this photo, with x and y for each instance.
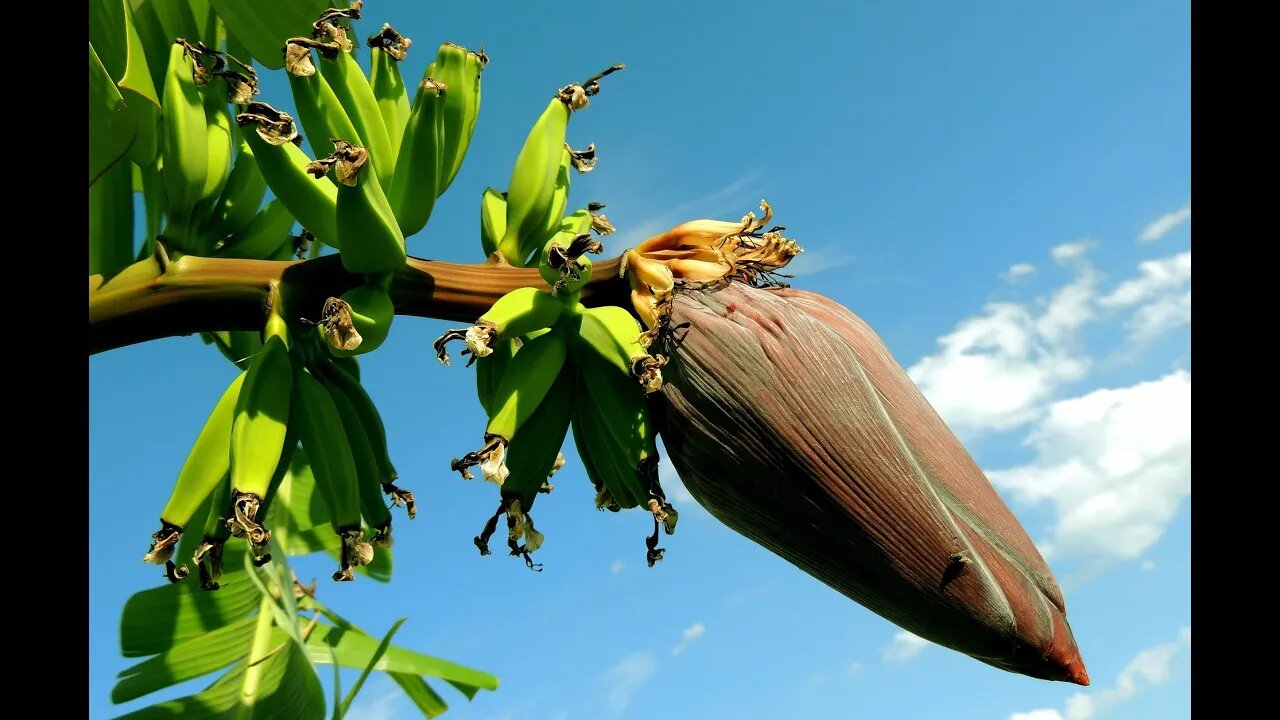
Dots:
(790, 421)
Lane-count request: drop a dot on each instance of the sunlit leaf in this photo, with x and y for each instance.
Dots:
(111, 127)
(427, 701)
(287, 687)
(373, 661)
(155, 620)
(355, 649)
(189, 659)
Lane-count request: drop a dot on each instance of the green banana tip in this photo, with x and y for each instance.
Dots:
(336, 326)
(647, 369)
(274, 127)
(401, 498)
(356, 552)
(208, 561)
(491, 458)
(346, 160)
(244, 523)
(163, 543)
(207, 63)
(479, 339)
(395, 45)
(584, 161)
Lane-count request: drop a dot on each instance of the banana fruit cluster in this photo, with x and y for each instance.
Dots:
(546, 363)
(292, 396)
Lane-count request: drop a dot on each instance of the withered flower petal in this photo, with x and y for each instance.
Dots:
(789, 420)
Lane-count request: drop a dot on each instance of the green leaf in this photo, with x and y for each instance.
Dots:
(288, 688)
(426, 699)
(338, 709)
(356, 649)
(111, 221)
(112, 128)
(139, 92)
(156, 620)
(189, 659)
(262, 27)
(364, 674)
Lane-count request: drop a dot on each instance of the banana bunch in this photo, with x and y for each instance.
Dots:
(518, 223)
(292, 394)
(545, 363)
(201, 202)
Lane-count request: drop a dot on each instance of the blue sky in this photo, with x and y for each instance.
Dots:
(1001, 190)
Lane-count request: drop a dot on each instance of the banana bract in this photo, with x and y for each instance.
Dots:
(844, 469)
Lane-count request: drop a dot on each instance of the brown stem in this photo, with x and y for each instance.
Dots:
(195, 294)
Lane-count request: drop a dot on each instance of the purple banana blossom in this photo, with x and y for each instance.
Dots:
(790, 421)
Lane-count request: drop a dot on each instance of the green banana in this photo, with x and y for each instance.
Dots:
(491, 368)
(571, 226)
(459, 69)
(259, 431)
(241, 195)
(208, 554)
(532, 189)
(321, 113)
(564, 265)
(517, 313)
(623, 411)
(184, 146)
(533, 452)
(323, 437)
(354, 94)
(599, 452)
(218, 141)
(208, 461)
(373, 505)
(614, 336)
(493, 220)
(416, 184)
(349, 365)
(522, 388)
(368, 233)
(360, 320)
(388, 49)
(371, 420)
(284, 167)
(262, 237)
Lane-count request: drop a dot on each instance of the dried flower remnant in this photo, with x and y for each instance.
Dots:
(584, 161)
(273, 126)
(390, 41)
(843, 469)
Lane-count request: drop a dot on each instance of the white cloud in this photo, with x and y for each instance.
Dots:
(624, 679)
(1043, 714)
(1115, 464)
(616, 567)
(995, 371)
(691, 633)
(1153, 666)
(1154, 277)
(903, 647)
(380, 706)
(1162, 225)
(1148, 565)
(1018, 271)
(1066, 252)
(855, 669)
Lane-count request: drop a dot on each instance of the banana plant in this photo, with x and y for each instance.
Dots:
(263, 633)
